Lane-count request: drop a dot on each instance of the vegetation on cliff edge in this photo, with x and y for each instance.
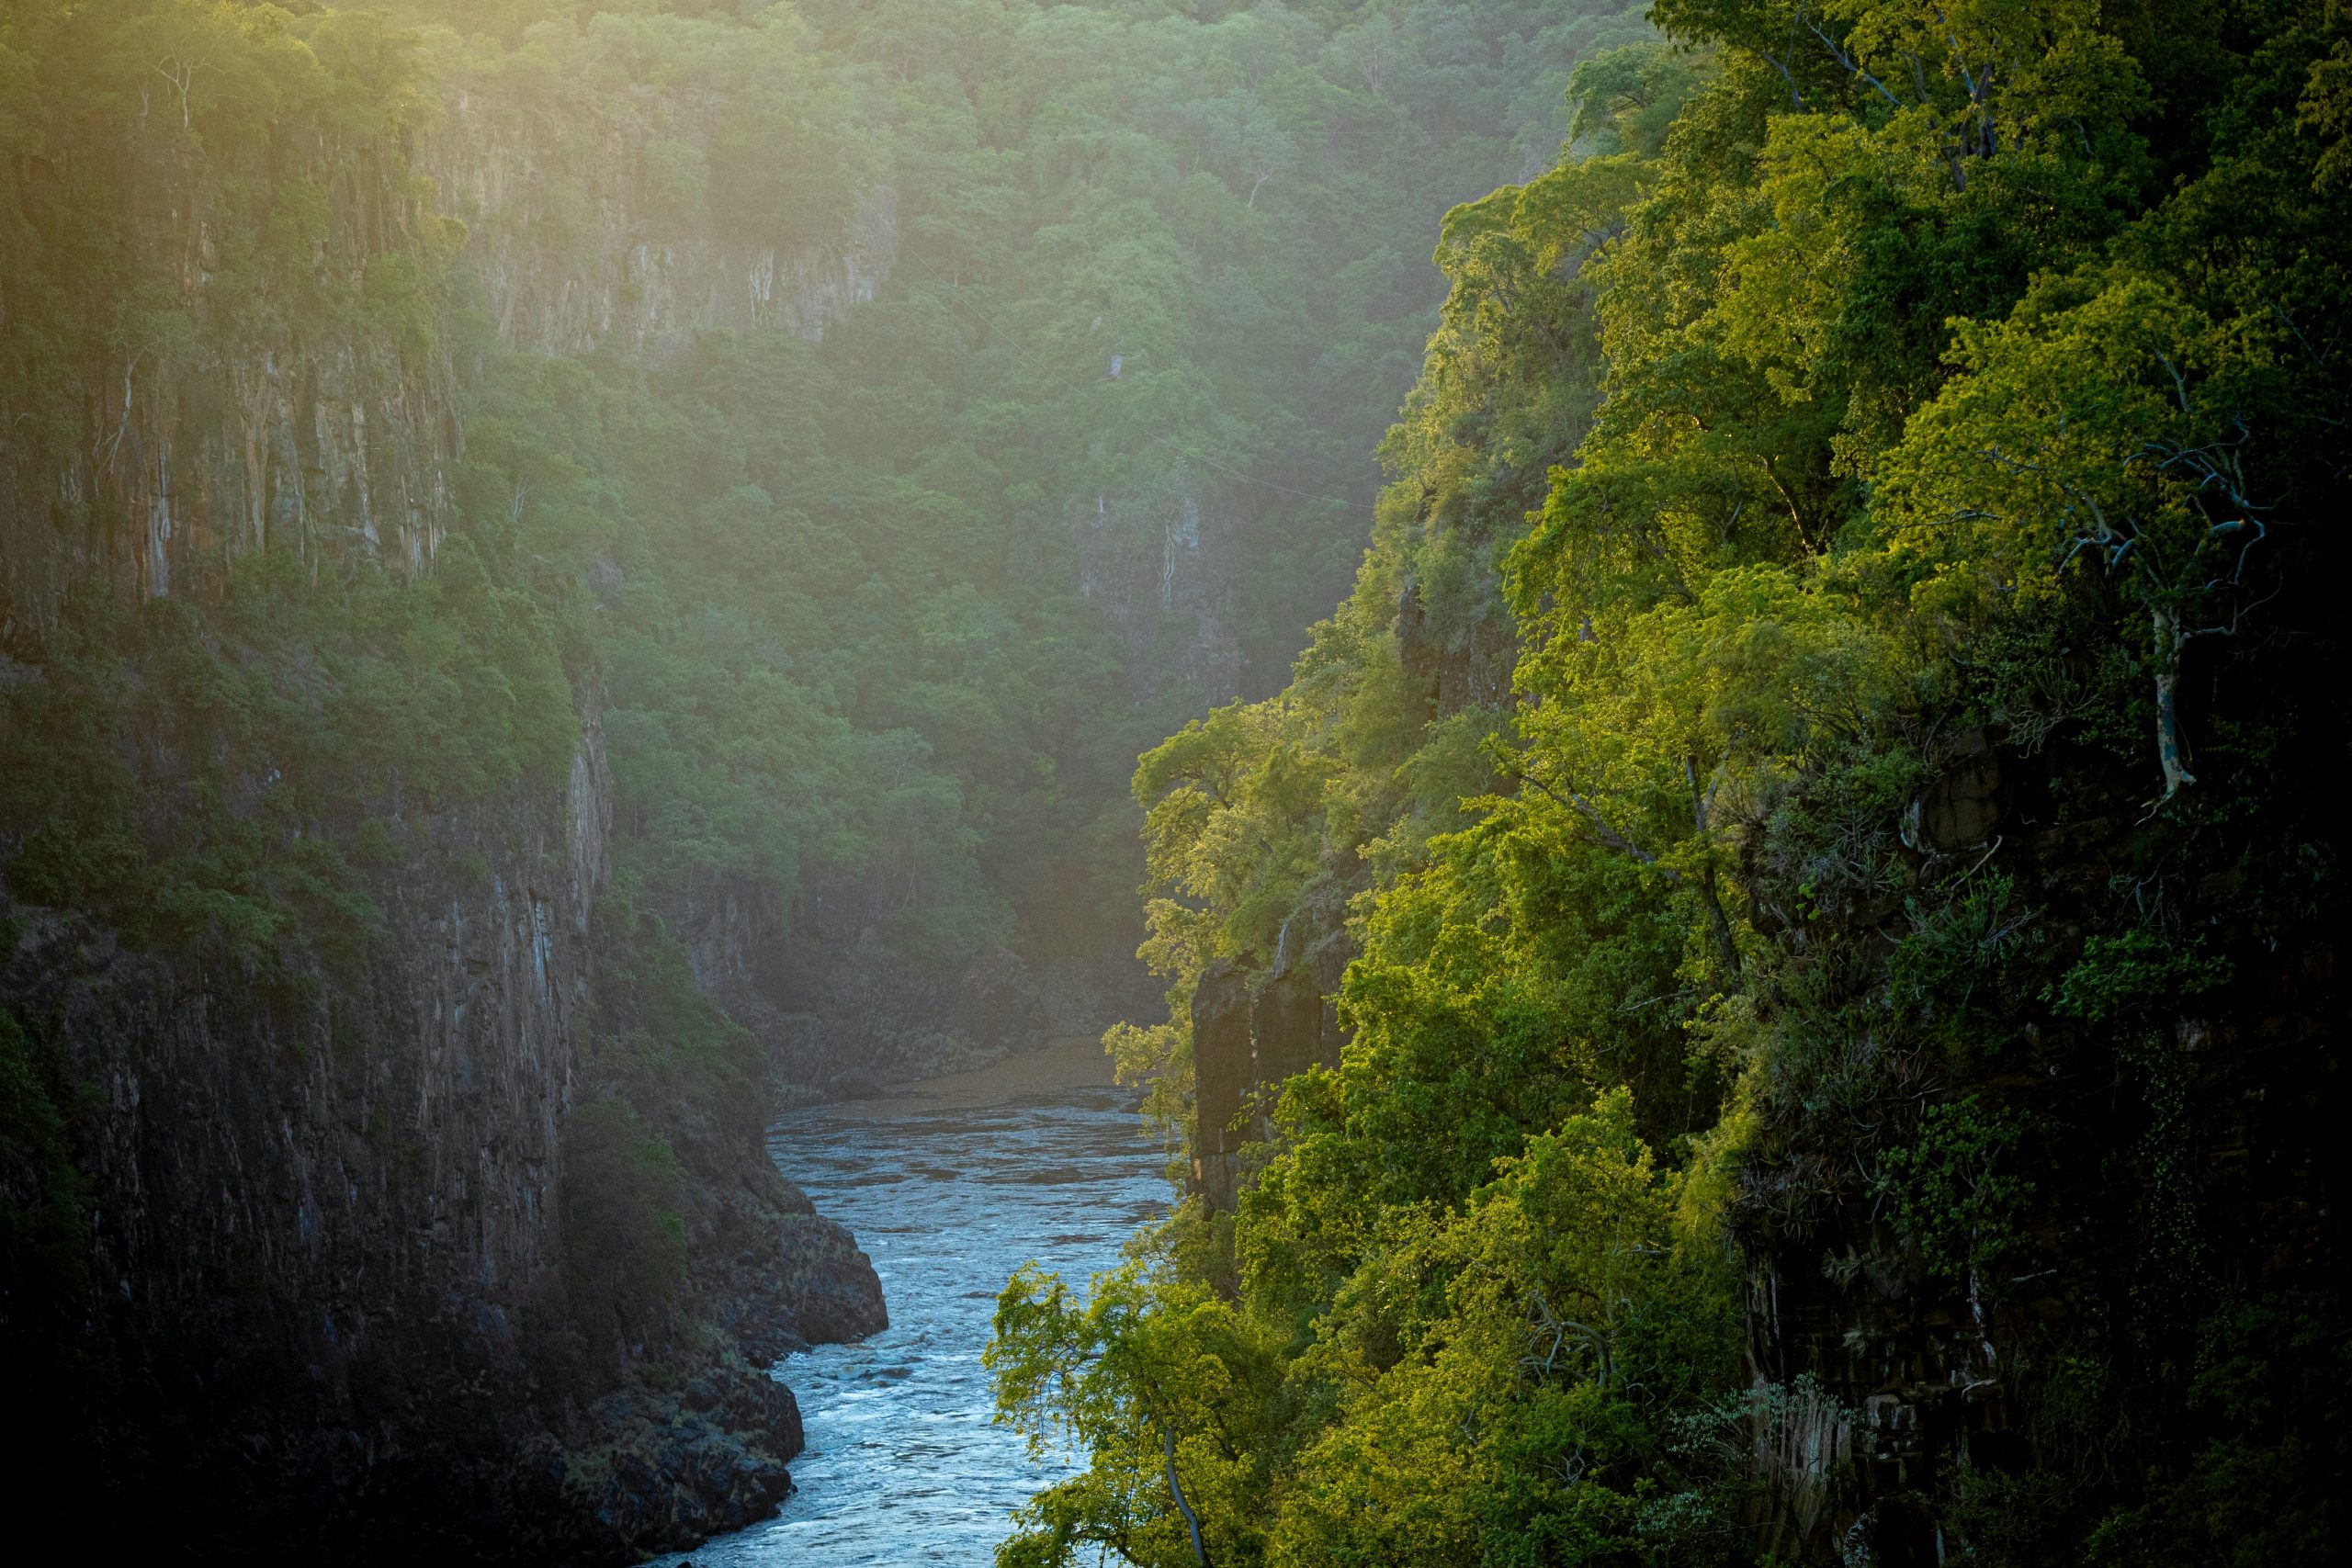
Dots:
(1823, 779)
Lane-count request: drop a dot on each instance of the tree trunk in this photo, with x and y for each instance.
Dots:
(1200, 1553)
(2169, 747)
(1719, 926)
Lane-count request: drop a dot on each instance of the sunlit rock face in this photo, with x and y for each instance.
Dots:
(621, 277)
(633, 216)
(234, 421)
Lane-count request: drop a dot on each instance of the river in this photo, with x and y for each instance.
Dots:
(949, 1188)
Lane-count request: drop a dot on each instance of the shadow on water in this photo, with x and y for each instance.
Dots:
(903, 1464)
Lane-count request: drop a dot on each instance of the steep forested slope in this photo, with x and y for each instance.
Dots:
(893, 612)
(1821, 802)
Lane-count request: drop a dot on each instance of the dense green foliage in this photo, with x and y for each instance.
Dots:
(864, 636)
(1817, 776)
(1874, 395)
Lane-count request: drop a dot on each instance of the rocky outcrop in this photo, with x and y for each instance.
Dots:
(1250, 1034)
(677, 1467)
(1225, 1071)
(1160, 564)
(613, 276)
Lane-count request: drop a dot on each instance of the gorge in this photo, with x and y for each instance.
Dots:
(545, 614)
(1705, 830)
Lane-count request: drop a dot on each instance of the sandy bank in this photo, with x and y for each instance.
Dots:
(1075, 1061)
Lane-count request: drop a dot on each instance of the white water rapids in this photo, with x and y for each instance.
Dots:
(948, 1194)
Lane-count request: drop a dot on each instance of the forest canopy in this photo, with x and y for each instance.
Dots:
(1833, 718)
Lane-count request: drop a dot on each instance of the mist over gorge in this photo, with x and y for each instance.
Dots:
(1701, 828)
(549, 612)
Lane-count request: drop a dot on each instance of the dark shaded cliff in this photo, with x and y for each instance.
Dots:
(2109, 1279)
(340, 1255)
(373, 1177)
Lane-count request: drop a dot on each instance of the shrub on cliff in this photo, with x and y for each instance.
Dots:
(624, 1238)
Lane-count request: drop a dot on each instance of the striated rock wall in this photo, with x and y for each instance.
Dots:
(1458, 660)
(232, 400)
(231, 411)
(568, 260)
(325, 1211)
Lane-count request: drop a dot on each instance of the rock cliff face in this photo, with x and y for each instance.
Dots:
(1161, 566)
(569, 257)
(1246, 1039)
(193, 444)
(326, 1229)
(328, 1217)
(325, 1211)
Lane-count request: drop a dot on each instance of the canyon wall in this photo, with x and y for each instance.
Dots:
(322, 1210)
(1161, 566)
(210, 428)
(328, 1231)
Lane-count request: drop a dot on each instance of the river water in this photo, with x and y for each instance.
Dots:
(948, 1192)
